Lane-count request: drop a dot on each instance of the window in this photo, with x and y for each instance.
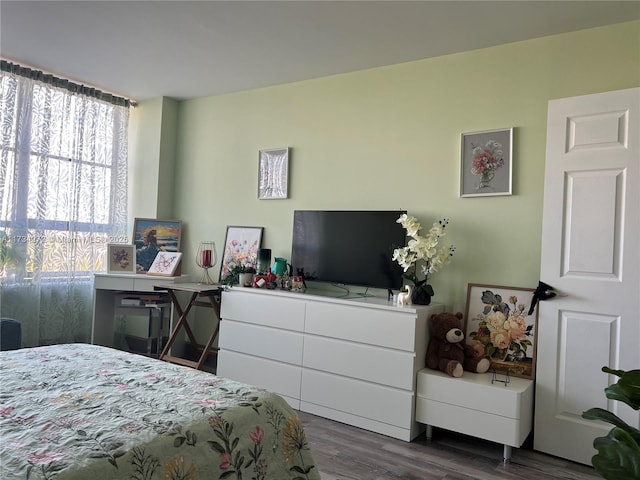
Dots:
(63, 179)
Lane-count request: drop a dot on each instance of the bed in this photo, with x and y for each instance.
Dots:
(87, 412)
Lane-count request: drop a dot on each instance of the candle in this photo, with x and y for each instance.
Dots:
(206, 259)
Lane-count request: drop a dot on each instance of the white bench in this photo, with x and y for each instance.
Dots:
(474, 405)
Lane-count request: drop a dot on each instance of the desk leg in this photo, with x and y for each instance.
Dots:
(216, 308)
(182, 322)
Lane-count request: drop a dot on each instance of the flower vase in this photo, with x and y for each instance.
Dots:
(485, 180)
(420, 295)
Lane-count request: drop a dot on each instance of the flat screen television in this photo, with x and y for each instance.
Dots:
(348, 247)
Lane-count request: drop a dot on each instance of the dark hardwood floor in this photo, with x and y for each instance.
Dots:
(343, 452)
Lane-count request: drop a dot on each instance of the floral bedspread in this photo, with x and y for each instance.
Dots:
(87, 412)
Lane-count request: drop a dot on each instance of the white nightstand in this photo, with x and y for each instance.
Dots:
(475, 406)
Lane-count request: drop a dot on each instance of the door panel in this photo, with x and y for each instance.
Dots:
(590, 255)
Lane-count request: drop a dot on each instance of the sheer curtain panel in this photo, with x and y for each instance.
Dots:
(63, 197)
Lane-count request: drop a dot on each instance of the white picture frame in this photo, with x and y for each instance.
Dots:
(486, 166)
(165, 264)
(121, 258)
(273, 174)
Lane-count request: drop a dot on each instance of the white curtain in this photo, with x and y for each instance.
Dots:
(63, 197)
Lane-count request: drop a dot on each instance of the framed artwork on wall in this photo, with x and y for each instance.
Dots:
(241, 245)
(497, 324)
(486, 163)
(273, 173)
(150, 236)
(121, 258)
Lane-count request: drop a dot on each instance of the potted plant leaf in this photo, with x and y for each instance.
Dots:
(618, 456)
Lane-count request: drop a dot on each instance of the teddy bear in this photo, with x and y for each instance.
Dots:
(447, 350)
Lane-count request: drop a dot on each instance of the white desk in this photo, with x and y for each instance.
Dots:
(106, 289)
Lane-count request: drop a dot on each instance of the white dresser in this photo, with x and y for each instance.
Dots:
(352, 360)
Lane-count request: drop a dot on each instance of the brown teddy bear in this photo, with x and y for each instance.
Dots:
(447, 350)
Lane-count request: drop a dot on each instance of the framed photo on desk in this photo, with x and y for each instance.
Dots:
(121, 258)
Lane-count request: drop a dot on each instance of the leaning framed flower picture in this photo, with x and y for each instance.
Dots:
(241, 245)
(486, 163)
(497, 325)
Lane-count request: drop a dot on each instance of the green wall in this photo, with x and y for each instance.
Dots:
(389, 138)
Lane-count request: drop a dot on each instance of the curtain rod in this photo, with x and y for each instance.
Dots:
(72, 87)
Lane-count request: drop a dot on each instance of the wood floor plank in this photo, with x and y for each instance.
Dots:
(343, 452)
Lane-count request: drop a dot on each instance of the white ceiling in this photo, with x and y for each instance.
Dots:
(187, 49)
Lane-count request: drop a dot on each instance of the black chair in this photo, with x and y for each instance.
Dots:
(10, 334)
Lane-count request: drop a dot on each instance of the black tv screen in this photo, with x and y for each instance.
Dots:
(348, 247)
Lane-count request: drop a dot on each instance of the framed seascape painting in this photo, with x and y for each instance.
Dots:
(241, 246)
(151, 236)
(486, 163)
(497, 324)
(121, 258)
(273, 173)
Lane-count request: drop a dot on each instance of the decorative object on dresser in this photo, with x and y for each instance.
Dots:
(447, 350)
(344, 359)
(420, 258)
(486, 165)
(404, 298)
(245, 277)
(241, 245)
(206, 258)
(264, 261)
(497, 325)
(151, 236)
(273, 173)
(121, 258)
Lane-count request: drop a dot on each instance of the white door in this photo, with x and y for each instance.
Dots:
(590, 254)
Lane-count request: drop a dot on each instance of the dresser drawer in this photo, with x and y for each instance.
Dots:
(382, 327)
(355, 397)
(493, 427)
(274, 344)
(375, 364)
(281, 378)
(260, 309)
(475, 391)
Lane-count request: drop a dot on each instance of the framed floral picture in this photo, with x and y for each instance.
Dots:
(241, 245)
(150, 236)
(497, 324)
(486, 163)
(121, 258)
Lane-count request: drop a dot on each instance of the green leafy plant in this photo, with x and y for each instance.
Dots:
(10, 255)
(618, 456)
(232, 278)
